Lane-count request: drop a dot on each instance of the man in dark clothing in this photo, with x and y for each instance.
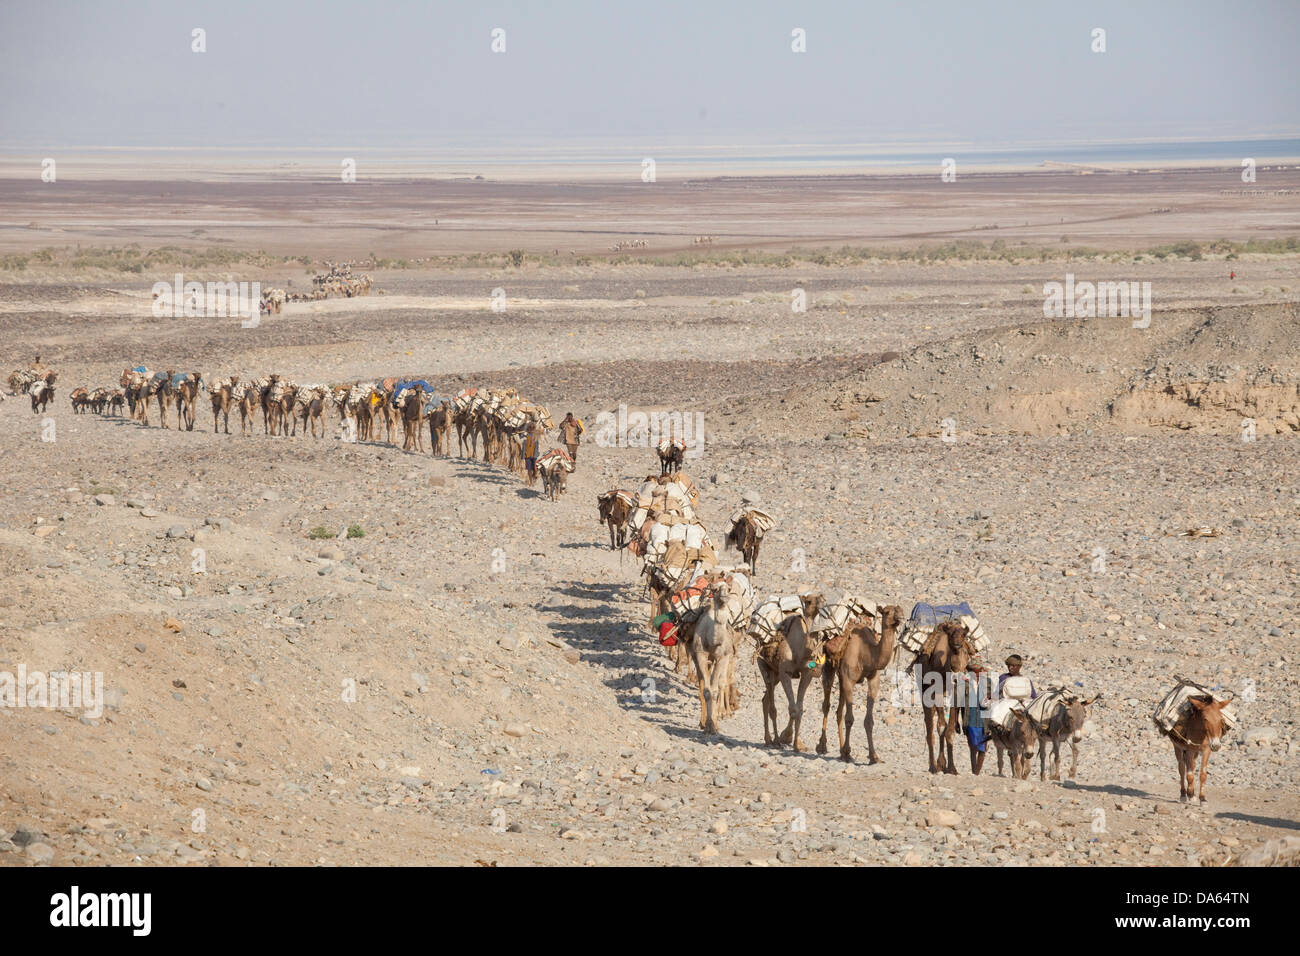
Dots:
(571, 429)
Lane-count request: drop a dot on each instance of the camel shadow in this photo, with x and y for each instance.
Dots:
(1111, 788)
(1275, 822)
(591, 592)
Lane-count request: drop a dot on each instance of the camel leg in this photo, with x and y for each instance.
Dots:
(845, 716)
(787, 734)
(950, 730)
(804, 680)
(826, 710)
(708, 677)
(929, 735)
(1182, 774)
(869, 721)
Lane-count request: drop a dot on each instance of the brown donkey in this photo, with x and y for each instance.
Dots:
(615, 508)
(1202, 734)
(1017, 742)
(946, 654)
(859, 653)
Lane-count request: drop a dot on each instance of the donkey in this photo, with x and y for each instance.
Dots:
(614, 512)
(1064, 722)
(554, 478)
(671, 456)
(744, 536)
(1202, 734)
(860, 653)
(1018, 742)
(42, 393)
(946, 654)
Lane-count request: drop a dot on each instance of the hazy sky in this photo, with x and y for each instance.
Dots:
(380, 73)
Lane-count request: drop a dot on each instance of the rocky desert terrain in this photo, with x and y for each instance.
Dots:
(322, 652)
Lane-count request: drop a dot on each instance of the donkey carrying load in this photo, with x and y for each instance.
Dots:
(1195, 719)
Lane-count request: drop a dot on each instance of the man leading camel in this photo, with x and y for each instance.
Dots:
(572, 429)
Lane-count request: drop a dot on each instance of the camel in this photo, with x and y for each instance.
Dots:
(714, 646)
(411, 410)
(1018, 742)
(250, 399)
(797, 650)
(311, 409)
(463, 419)
(221, 402)
(187, 398)
(165, 392)
(277, 407)
(1065, 721)
(1200, 734)
(945, 655)
(859, 653)
(440, 420)
(383, 413)
(616, 508)
(116, 401)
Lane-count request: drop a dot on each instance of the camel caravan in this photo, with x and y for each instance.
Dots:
(708, 616)
(338, 282)
(501, 426)
(36, 382)
(630, 244)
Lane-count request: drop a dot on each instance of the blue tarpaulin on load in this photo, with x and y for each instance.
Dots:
(930, 615)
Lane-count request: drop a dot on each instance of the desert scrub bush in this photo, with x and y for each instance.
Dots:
(356, 531)
(319, 532)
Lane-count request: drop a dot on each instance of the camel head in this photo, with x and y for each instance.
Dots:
(1208, 714)
(959, 647)
(812, 605)
(891, 618)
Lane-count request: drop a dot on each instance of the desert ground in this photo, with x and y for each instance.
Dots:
(511, 706)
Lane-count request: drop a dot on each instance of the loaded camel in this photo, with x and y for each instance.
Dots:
(187, 399)
(858, 653)
(944, 656)
(221, 396)
(796, 650)
(714, 646)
